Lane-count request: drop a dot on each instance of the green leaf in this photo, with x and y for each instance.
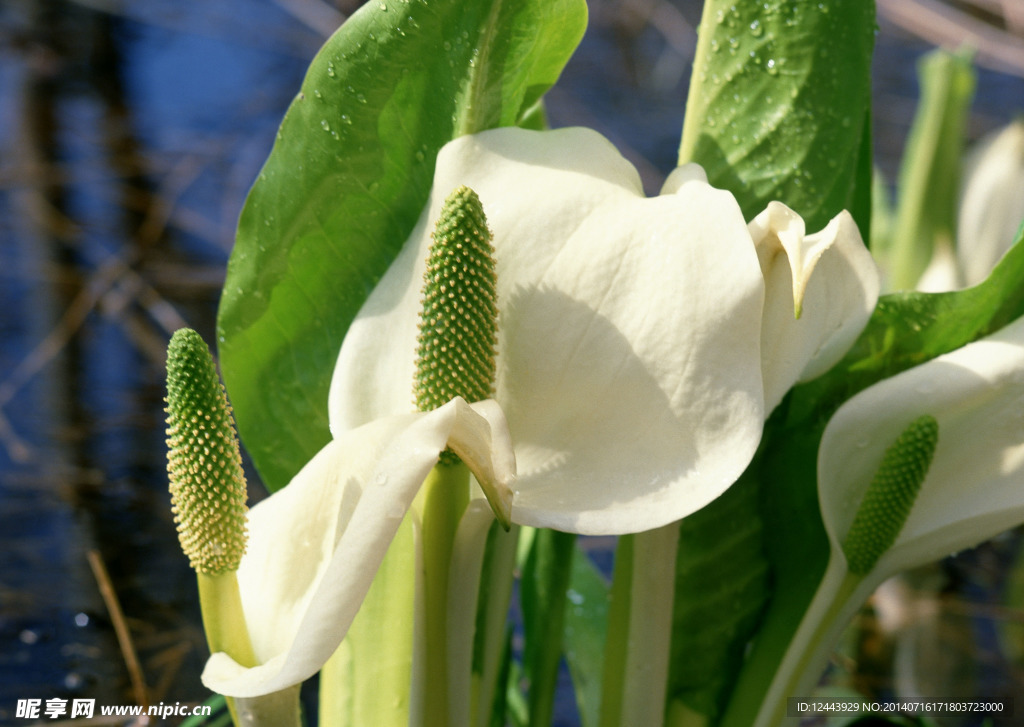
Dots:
(722, 586)
(346, 182)
(777, 108)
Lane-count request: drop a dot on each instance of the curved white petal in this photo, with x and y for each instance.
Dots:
(975, 486)
(820, 290)
(315, 545)
(628, 338)
(992, 206)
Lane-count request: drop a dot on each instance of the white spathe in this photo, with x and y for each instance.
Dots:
(630, 329)
(974, 488)
(315, 546)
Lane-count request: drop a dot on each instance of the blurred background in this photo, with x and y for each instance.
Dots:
(130, 131)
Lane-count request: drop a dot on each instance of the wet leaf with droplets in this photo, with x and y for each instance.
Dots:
(346, 181)
(764, 118)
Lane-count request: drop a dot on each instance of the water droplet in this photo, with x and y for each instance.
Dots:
(316, 92)
(81, 620)
(756, 29)
(330, 69)
(381, 478)
(383, 7)
(28, 636)
(360, 98)
(420, 156)
(325, 125)
(346, 119)
(770, 65)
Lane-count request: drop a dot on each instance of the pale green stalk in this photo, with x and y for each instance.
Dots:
(696, 99)
(382, 691)
(279, 709)
(838, 598)
(635, 679)
(224, 622)
(930, 172)
(445, 496)
(496, 591)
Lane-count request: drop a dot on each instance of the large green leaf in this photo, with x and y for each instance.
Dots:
(346, 181)
(724, 572)
(778, 110)
(778, 101)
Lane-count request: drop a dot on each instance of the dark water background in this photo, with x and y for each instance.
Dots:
(129, 134)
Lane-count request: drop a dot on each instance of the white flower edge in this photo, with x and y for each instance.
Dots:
(315, 546)
(628, 332)
(975, 486)
(820, 290)
(991, 206)
(973, 491)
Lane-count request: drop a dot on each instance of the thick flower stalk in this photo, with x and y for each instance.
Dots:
(208, 497)
(455, 357)
(920, 465)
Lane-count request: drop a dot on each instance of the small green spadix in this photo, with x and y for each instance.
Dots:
(203, 460)
(458, 321)
(890, 497)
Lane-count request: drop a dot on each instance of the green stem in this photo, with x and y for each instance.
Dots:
(640, 629)
(930, 172)
(280, 709)
(617, 643)
(220, 603)
(468, 607)
(445, 496)
(492, 620)
(544, 593)
(695, 101)
(840, 595)
(369, 679)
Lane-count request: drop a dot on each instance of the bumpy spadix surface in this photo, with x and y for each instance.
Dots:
(458, 320)
(629, 330)
(890, 497)
(203, 460)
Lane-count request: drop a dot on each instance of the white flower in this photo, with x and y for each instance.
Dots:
(973, 490)
(632, 361)
(992, 203)
(631, 369)
(315, 546)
